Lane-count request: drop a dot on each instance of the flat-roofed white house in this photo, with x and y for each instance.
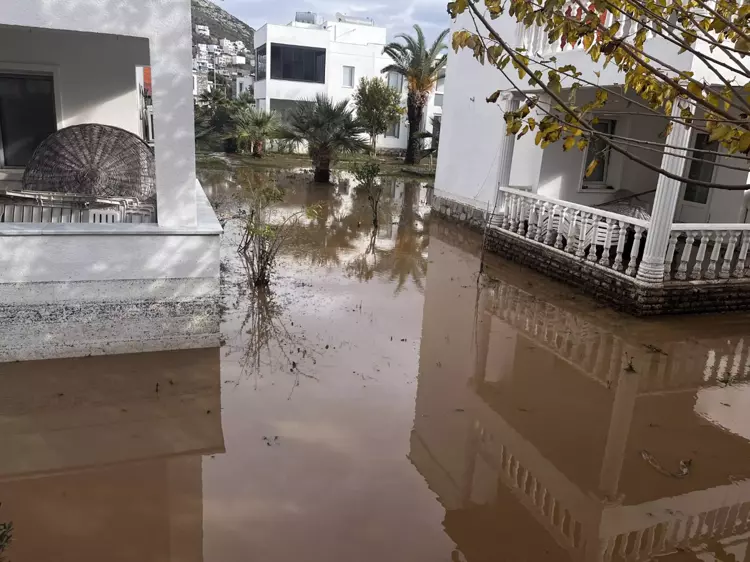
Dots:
(68, 285)
(310, 56)
(686, 251)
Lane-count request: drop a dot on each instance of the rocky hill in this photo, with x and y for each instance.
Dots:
(221, 23)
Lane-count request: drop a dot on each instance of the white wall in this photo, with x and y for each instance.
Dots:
(472, 129)
(167, 26)
(94, 75)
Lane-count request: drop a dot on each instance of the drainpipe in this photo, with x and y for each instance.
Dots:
(651, 269)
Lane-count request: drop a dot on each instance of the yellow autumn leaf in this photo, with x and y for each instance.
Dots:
(569, 143)
(591, 167)
(695, 89)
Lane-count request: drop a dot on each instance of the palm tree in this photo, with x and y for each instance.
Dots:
(328, 128)
(421, 67)
(251, 126)
(213, 99)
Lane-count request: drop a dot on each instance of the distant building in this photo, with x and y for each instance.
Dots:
(227, 46)
(239, 59)
(240, 46)
(203, 30)
(243, 84)
(310, 56)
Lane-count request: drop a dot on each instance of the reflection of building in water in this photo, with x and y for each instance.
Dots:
(552, 431)
(98, 463)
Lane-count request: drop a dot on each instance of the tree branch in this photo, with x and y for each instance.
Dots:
(475, 12)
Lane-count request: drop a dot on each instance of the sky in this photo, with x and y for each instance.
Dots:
(397, 16)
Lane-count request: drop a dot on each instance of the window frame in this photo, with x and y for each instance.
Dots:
(700, 160)
(269, 64)
(397, 128)
(44, 70)
(353, 76)
(258, 59)
(586, 185)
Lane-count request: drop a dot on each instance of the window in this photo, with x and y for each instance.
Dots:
(348, 77)
(260, 57)
(438, 100)
(396, 81)
(301, 64)
(598, 150)
(394, 130)
(27, 116)
(702, 168)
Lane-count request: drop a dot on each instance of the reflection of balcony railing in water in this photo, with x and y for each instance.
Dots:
(552, 513)
(684, 533)
(536, 41)
(601, 354)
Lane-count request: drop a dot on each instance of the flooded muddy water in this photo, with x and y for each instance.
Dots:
(384, 401)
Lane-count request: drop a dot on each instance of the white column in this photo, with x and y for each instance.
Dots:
(505, 158)
(619, 429)
(651, 269)
(174, 137)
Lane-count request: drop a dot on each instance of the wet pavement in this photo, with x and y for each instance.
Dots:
(384, 401)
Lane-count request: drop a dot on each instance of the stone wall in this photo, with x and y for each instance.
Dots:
(55, 320)
(466, 214)
(604, 284)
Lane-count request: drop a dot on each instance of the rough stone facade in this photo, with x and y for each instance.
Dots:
(612, 287)
(55, 320)
(470, 216)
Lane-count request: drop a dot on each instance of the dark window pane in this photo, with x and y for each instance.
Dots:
(260, 63)
(27, 116)
(702, 168)
(302, 64)
(599, 150)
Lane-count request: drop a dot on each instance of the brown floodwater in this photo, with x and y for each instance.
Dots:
(386, 401)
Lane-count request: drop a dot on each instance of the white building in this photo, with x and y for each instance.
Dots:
(238, 59)
(295, 62)
(88, 288)
(203, 30)
(227, 46)
(536, 188)
(243, 84)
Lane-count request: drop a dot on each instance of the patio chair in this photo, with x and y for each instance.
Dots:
(94, 160)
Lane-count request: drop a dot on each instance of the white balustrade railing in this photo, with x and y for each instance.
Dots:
(536, 41)
(707, 251)
(611, 240)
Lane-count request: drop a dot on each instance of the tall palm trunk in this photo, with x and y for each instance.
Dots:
(258, 148)
(323, 170)
(415, 103)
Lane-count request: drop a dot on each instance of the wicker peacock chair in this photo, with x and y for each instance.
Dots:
(93, 160)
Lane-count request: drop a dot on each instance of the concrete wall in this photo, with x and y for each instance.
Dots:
(471, 130)
(86, 289)
(94, 75)
(167, 27)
